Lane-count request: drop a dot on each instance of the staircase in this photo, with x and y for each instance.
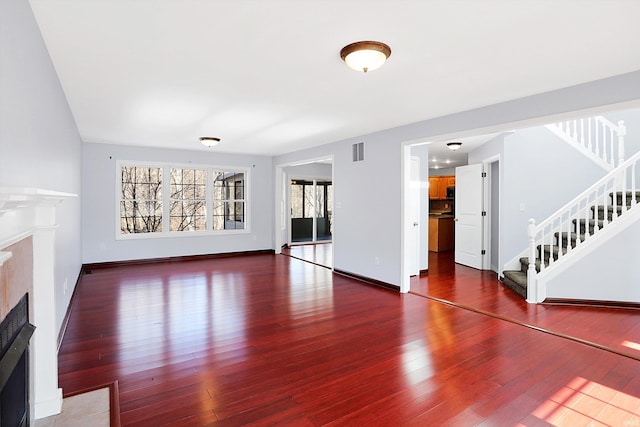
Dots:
(595, 137)
(582, 229)
(586, 218)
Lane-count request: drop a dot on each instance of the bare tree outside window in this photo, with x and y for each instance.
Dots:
(188, 210)
(141, 200)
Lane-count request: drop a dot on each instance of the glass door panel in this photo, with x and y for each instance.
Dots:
(301, 211)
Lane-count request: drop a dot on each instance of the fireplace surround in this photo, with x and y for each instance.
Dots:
(27, 250)
(15, 332)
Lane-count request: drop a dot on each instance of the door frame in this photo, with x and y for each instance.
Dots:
(281, 204)
(488, 197)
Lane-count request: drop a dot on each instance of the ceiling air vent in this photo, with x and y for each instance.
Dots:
(358, 152)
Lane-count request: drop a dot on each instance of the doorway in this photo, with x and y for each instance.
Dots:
(311, 217)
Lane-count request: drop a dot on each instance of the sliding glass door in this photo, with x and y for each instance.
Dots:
(311, 210)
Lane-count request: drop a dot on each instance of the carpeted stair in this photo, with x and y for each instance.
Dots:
(517, 279)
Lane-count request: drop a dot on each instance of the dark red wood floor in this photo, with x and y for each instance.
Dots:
(269, 339)
(316, 253)
(616, 328)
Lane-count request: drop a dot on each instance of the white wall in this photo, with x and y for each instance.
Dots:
(39, 141)
(442, 172)
(98, 207)
(607, 273)
(310, 170)
(366, 204)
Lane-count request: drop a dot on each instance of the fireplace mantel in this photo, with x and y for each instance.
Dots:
(31, 212)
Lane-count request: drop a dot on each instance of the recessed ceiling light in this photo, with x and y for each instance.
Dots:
(209, 141)
(365, 55)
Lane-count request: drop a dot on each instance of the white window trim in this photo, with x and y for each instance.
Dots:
(166, 194)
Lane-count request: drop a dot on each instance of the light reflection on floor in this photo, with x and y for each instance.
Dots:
(633, 345)
(584, 402)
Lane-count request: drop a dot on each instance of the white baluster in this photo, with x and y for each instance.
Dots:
(532, 286)
(622, 132)
(633, 185)
(604, 144)
(623, 200)
(531, 270)
(597, 141)
(613, 161)
(616, 184)
(582, 132)
(589, 124)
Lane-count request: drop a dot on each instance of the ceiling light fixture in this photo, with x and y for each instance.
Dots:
(209, 141)
(365, 55)
(453, 146)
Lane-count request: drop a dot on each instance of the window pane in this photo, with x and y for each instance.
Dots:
(228, 196)
(308, 201)
(320, 201)
(141, 195)
(141, 183)
(239, 211)
(140, 217)
(218, 216)
(239, 190)
(187, 216)
(296, 200)
(187, 211)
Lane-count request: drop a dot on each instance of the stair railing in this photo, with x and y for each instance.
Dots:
(595, 136)
(582, 213)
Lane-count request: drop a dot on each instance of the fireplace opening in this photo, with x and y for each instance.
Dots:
(15, 332)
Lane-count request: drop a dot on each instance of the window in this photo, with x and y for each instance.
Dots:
(201, 200)
(228, 200)
(141, 199)
(301, 199)
(188, 200)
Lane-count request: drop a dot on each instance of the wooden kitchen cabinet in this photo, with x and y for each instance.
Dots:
(438, 186)
(441, 233)
(434, 188)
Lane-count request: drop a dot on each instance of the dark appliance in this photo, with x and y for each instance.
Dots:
(451, 192)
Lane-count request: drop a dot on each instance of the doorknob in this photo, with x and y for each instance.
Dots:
(415, 224)
(455, 219)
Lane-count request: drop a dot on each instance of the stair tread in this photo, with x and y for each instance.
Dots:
(524, 264)
(516, 280)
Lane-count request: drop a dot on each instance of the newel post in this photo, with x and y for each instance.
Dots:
(622, 132)
(531, 271)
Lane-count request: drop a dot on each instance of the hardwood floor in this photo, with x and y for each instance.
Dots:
(316, 253)
(615, 328)
(269, 339)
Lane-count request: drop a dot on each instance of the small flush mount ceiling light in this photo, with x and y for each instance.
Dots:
(209, 141)
(366, 55)
(453, 146)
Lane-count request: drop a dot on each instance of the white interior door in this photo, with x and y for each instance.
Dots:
(468, 220)
(414, 218)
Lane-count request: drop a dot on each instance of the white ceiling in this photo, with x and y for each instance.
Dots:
(266, 76)
(442, 157)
